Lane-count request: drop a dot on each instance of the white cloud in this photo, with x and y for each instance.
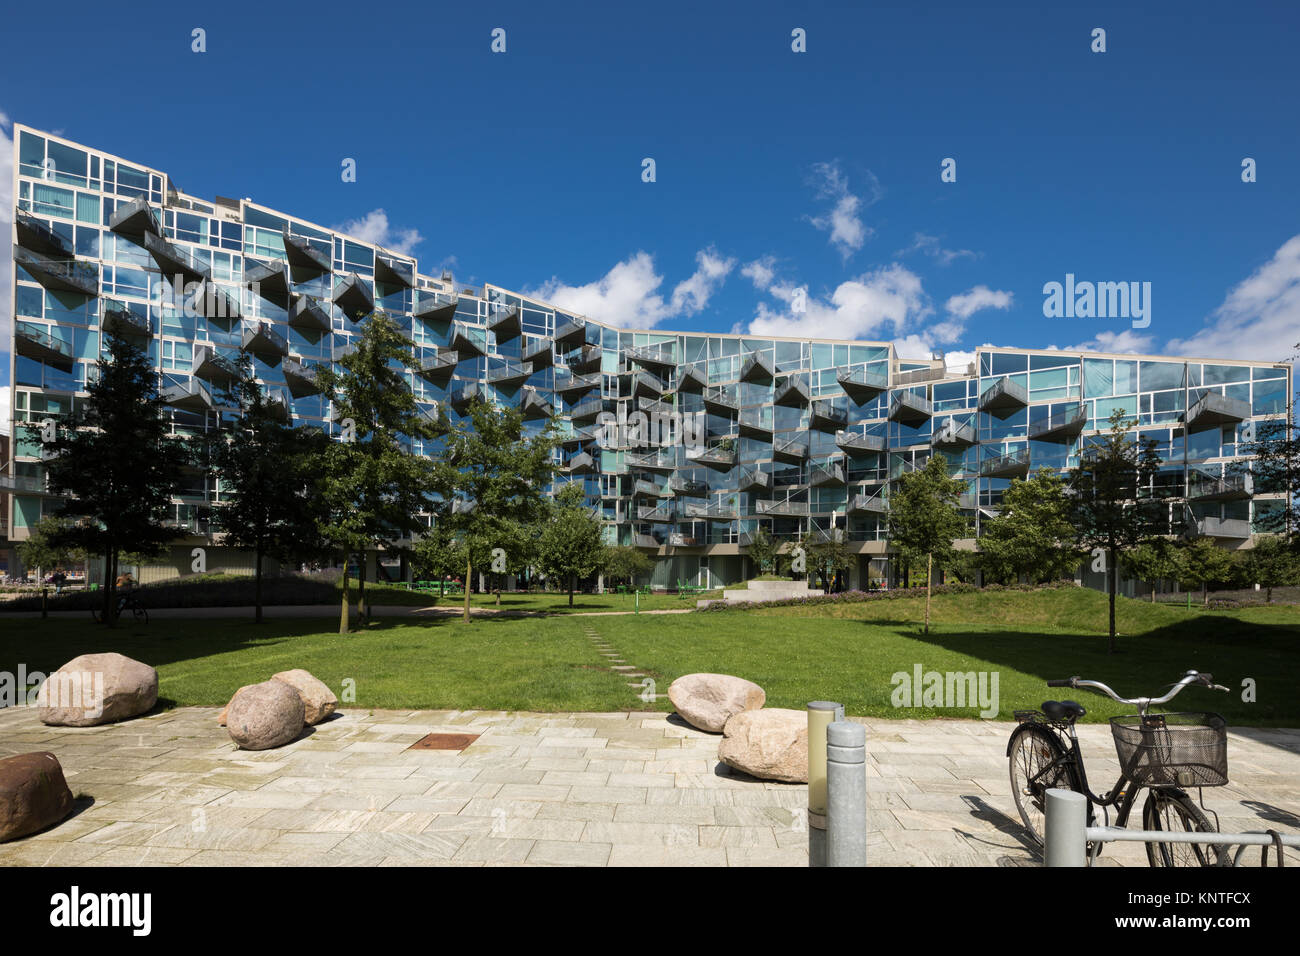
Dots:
(843, 222)
(1260, 317)
(1125, 340)
(6, 254)
(890, 298)
(931, 247)
(628, 295)
(966, 304)
(374, 228)
(761, 272)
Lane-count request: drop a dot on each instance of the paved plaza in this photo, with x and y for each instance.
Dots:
(616, 789)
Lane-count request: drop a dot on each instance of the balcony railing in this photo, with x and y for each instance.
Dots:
(1223, 527)
(304, 258)
(792, 393)
(1014, 464)
(534, 406)
(752, 478)
(59, 275)
(754, 424)
(588, 410)
(643, 383)
(354, 296)
(301, 378)
(540, 353)
(757, 368)
(1061, 425)
(862, 386)
(1235, 487)
(213, 366)
(826, 417)
(438, 307)
(469, 340)
(781, 506)
(1212, 408)
(826, 474)
(1004, 397)
(191, 396)
(134, 219)
(909, 408)
(121, 318)
(657, 461)
(261, 338)
(586, 360)
(645, 541)
(646, 489)
(953, 433)
(508, 375)
(653, 357)
(715, 457)
(177, 266)
(690, 378)
(392, 271)
(570, 332)
(571, 386)
(40, 238)
(790, 450)
(660, 514)
(680, 539)
(461, 398)
(863, 503)
(438, 368)
(504, 324)
(858, 443)
(710, 511)
(581, 464)
(36, 342)
(719, 402)
(269, 279)
(688, 487)
(307, 313)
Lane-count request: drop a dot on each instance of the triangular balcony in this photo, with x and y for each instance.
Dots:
(586, 360)
(753, 478)
(642, 488)
(828, 474)
(121, 318)
(534, 406)
(757, 367)
(588, 410)
(354, 296)
(261, 338)
(391, 271)
(505, 324)
(654, 461)
(753, 423)
(191, 396)
(270, 280)
(643, 383)
(509, 375)
(539, 352)
(1004, 397)
(35, 342)
(826, 417)
(688, 487)
(307, 315)
(719, 401)
(658, 514)
(38, 237)
(175, 264)
(659, 360)
(59, 275)
(216, 368)
(709, 511)
(436, 307)
(134, 219)
(954, 433)
(1213, 408)
(862, 386)
(1233, 487)
(1014, 464)
(305, 260)
(909, 408)
(572, 387)
(582, 464)
(781, 506)
(863, 503)
(300, 378)
(691, 378)
(717, 457)
(570, 332)
(462, 398)
(792, 451)
(1063, 425)
(438, 368)
(792, 393)
(856, 443)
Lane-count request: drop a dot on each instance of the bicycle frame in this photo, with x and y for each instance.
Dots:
(1122, 795)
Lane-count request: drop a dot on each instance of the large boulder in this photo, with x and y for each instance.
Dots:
(707, 701)
(264, 715)
(221, 717)
(771, 744)
(97, 689)
(33, 794)
(317, 699)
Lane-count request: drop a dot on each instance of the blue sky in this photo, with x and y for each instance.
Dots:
(774, 169)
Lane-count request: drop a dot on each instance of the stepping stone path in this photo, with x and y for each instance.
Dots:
(618, 665)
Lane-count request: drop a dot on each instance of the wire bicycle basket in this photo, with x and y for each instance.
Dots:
(1172, 750)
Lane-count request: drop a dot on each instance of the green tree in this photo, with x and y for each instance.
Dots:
(625, 563)
(829, 556)
(924, 520)
(1275, 467)
(764, 550)
(47, 546)
(1153, 561)
(498, 481)
(1031, 535)
(438, 554)
(1204, 563)
(1106, 509)
(570, 546)
(267, 469)
(117, 463)
(371, 484)
(1271, 563)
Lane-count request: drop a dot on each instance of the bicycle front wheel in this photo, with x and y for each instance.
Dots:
(1178, 813)
(141, 615)
(1035, 770)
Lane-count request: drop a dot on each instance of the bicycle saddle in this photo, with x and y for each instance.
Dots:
(1063, 709)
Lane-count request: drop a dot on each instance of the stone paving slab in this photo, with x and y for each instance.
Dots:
(613, 789)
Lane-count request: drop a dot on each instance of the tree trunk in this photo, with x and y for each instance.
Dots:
(1154, 585)
(110, 586)
(1112, 577)
(363, 612)
(929, 576)
(1205, 593)
(343, 609)
(469, 570)
(257, 588)
(571, 583)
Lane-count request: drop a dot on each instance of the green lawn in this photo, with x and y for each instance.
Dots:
(841, 652)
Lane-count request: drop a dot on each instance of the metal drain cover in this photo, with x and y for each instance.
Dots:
(444, 742)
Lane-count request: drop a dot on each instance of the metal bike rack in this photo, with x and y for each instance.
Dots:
(1066, 833)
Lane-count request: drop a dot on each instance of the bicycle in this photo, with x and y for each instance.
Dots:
(1165, 753)
(127, 602)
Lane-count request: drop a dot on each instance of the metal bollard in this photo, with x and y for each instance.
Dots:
(820, 715)
(846, 794)
(1065, 841)
(45, 597)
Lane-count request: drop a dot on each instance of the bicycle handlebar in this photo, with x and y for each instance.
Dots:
(1191, 677)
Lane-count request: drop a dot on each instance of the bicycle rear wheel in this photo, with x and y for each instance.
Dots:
(1033, 751)
(1176, 812)
(141, 615)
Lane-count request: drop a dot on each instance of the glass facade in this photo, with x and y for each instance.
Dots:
(687, 442)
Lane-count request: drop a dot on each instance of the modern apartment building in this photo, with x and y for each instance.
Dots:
(688, 442)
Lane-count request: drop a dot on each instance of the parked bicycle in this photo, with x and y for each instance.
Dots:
(126, 602)
(1166, 753)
